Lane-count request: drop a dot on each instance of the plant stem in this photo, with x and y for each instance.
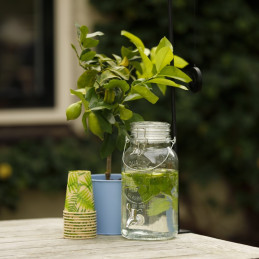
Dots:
(108, 167)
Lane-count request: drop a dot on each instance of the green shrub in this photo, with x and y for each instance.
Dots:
(217, 127)
(44, 165)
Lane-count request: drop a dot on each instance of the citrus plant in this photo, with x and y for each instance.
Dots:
(109, 85)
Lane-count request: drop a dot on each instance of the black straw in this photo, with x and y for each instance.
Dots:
(171, 38)
(173, 122)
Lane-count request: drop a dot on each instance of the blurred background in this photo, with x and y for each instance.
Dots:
(217, 128)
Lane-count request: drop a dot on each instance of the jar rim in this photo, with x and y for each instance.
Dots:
(150, 124)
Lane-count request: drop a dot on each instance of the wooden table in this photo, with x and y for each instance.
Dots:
(43, 238)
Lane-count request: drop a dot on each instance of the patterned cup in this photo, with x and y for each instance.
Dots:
(79, 214)
(79, 194)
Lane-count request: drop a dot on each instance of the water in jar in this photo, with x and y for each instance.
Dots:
(150, 204)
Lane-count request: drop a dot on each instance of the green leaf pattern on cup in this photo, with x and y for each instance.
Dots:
(79, 196)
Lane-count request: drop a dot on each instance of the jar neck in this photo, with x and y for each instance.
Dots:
(149, 146)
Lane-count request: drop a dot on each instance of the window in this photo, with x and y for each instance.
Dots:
(26, 54)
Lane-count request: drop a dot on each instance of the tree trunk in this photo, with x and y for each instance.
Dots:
(108, 167)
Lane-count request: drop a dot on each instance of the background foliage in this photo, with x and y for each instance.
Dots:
(43, 164)
(218, 127)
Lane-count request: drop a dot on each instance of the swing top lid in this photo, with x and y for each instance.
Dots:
(150, 131)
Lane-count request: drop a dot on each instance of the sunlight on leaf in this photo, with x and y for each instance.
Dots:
(180, 62)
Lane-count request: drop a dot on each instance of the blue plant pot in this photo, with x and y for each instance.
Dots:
(107, 198)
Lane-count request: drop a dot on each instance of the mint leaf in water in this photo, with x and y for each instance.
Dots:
(150, 184)
(159, 205)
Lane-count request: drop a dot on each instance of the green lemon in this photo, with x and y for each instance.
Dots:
(95, 125)
(125, 114)
(74, 110)
(109, 96)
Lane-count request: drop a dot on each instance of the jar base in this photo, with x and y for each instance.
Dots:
(147, 235)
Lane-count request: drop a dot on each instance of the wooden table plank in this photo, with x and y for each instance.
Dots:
(43, 238)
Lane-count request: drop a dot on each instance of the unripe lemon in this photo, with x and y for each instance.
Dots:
(109, 96)
(95, 126)
(74, 111)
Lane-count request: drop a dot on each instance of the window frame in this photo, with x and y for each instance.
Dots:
(61, 74)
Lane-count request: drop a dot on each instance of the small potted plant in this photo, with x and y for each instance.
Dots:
(107, 88)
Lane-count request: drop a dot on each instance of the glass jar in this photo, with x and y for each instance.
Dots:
(149, 183)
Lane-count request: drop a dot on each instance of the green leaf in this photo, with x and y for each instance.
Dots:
(100, 106)
(74, 110)
(147, 65)
(78, 29)
(137, 66)
(122, 84)
(87, 55)
(163, 58)
(91, 97)
(111, 64)
(132, 97)
(87, 79)
(158, 205)
(145, 92)
(98, 125)
(134, 39)
(84, 122)
(90, 43)
(81, 96)
(126, 52)
(180, 62)
(106, 75)
(81, 90)
(151, 184)
(108, 145)
(109, 116)
(164, 42)
(122, 72)
(74, 48)
(174, 72)
(120, 141)
(162, 88)
(164, 81)
(103, 58)
(153, 54)
(118, 58)
(125, 114)
(129, 53)
(83, 32)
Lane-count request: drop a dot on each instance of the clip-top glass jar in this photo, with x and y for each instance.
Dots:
(149, 183)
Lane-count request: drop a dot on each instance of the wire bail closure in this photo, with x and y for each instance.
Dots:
(139, 152)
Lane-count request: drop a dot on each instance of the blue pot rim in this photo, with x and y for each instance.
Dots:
(95, 178)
